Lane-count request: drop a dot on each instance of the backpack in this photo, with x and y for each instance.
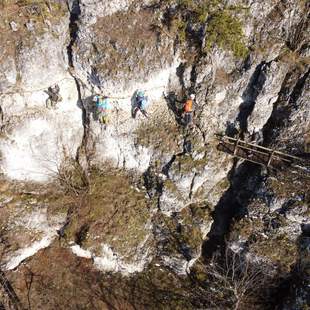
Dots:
(143, 103)
(188, 107)
(102, 104)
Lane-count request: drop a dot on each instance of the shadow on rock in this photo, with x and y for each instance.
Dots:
(89, 106)
(176, 106)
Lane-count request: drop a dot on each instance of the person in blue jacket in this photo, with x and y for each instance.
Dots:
(141, 103)
(102, 106)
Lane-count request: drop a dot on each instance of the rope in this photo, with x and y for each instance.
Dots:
(129, 96)
(75, 76)
(34, 90)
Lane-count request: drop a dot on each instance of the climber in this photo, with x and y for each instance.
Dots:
(53, 96)
(187, 146)
(102, 108)
(141, 102)
(188, 110)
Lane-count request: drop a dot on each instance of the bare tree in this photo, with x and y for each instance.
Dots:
(72, 177)
(233, 281)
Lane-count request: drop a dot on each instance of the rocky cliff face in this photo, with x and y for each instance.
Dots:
(124, 217)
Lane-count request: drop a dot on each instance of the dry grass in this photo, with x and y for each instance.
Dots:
(187, 165)
(279, 250)
(110, 205)
(222, 77)
(293, 59)
(163, 136)
(126, 44)
(21, 12)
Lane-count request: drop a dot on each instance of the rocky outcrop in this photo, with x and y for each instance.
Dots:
(148, 198)
(31, 132)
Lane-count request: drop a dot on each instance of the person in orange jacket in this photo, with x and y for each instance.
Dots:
(188, 110)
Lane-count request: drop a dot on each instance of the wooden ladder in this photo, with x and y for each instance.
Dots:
(255, 153)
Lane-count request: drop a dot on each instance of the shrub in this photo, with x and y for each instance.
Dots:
(220, 24)
(231, 281)
(225, 31)
(72, 177)
(180, 26)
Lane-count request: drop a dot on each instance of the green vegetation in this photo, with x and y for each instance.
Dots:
(220, 22)
(110, 204)
(226, 31)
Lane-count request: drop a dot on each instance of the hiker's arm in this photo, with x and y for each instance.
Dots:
(179, 101)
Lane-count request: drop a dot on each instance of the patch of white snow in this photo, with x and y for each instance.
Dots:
(27, 252)
(36, 221)
(110, 261)
(78, 251)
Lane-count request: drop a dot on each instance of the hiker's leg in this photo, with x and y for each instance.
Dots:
(189, 147)
(186, 119)
(105, 119)
(103, 122)
(48, 103)
(135, 111)
(144, 113)
(190, 118)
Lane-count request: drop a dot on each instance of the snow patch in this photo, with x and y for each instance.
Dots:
(179, 265)
(169, 203)
(110, 261)
(25, 253)
(36, 221)
(78, 251)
